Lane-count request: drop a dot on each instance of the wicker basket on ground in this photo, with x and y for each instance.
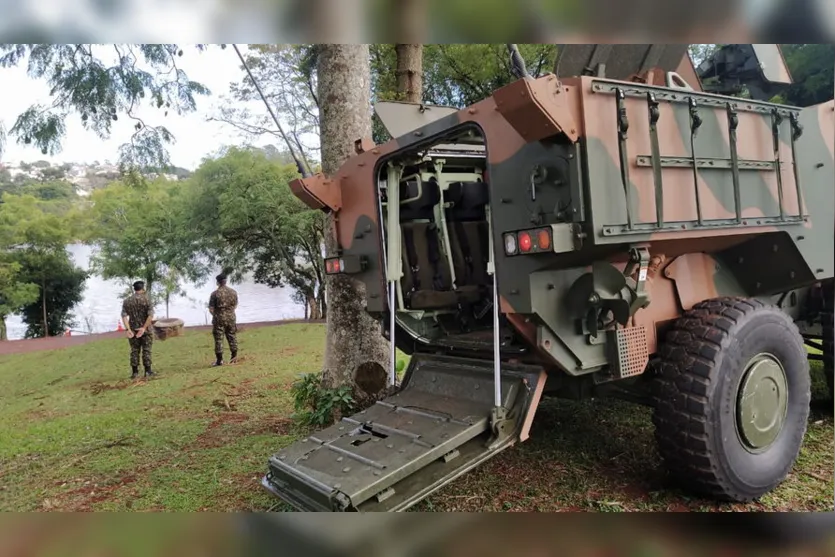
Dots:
(167, 328)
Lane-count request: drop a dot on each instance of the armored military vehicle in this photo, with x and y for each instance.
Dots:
(615, 228)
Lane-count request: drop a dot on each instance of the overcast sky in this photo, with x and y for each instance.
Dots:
(195, 137)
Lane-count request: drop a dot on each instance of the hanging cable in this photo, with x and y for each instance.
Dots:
(302, 166)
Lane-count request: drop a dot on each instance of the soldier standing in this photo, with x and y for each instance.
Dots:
(137, 315)
(222, 305)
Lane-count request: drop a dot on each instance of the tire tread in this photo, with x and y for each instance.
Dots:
(688, 364)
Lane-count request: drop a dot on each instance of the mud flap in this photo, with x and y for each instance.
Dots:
(439, 425)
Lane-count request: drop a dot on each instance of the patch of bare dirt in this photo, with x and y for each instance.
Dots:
(88, 492)
(230, 427)
(41, 413)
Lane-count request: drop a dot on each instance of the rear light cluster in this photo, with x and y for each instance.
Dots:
(334, 266)
(345, 264)
(536, 240)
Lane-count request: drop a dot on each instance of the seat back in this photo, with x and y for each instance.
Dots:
(469, 232)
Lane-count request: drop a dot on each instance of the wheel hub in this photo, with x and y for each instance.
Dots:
(762, 402)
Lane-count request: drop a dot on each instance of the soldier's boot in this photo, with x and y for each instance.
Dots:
(134, 372)
(234, 358)
(149, 373)
(219, 360)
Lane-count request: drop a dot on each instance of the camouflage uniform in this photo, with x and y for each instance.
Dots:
(223, 302)
(138, 309)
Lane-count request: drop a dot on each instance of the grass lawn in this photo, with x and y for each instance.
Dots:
(78, 435)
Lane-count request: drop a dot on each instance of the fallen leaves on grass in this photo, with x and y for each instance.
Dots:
(225, 404)
(100, 387)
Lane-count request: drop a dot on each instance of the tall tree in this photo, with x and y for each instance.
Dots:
(354, 345)
(409, 72)
(61, 285)
(248, 219)
(812, 67)
(140, 233)
(34, 238)
(15, 291)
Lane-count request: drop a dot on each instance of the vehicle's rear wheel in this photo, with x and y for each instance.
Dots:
(731, 398)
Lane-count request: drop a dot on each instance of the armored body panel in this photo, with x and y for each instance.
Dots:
(561, 229)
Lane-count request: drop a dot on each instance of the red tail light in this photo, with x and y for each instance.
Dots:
(525, 242)
(346, 264)
(537, 240)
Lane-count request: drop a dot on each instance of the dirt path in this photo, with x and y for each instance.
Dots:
(55, 343)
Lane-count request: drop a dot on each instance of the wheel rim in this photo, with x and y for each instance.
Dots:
(762, 402)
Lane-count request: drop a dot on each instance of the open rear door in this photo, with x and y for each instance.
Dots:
(439, 425)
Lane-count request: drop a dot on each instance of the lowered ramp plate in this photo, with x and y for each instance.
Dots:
(390, 456)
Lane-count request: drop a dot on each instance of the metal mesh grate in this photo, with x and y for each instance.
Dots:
(630, 351)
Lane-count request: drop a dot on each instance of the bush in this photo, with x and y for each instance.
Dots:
(316, 405)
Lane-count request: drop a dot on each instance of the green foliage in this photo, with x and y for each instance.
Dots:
(812, 67)
(61, 288)
(99, 83)
(462, 74)
(14, 291)
(26, 221)
(248, 219)
(140, 230)
(316, 405)
(33, 234)
(700, 52)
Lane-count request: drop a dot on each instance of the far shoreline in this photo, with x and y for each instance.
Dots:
(21, 346)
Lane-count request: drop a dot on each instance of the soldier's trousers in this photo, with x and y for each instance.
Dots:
(229, 329)
(144, 343)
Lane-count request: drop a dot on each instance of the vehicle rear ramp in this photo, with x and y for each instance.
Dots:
(441, 423)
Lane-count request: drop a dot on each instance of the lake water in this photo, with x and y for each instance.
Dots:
(100, 309)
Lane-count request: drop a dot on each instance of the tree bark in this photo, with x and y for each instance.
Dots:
(354, 340)
(409, 72)
(45, 321)
(321, 304)
(3, 333)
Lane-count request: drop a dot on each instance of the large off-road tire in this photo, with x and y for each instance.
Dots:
(827, 317)
(731, 398)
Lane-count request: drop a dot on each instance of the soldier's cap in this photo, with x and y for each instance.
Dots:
(221, 277)
(138, 285)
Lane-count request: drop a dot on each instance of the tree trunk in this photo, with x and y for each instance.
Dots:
(312, 310)
(45, 320)
(3, 334)
(354, 341)
(409, 72)
(322, 304)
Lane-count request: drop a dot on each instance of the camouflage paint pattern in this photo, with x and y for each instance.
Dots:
(557, 153)
(779, 241)
(223, 302)
(139, 310)
(144, 344)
